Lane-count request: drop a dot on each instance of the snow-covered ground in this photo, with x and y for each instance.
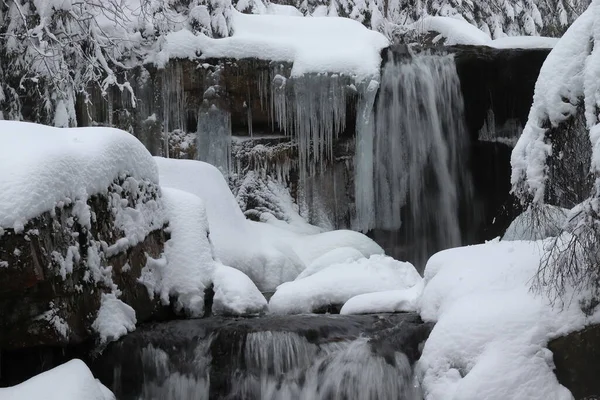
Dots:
(70, 381)
(313, 45)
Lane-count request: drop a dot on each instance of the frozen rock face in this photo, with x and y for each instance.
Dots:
(55, 271)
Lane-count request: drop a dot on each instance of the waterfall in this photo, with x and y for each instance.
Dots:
(419, 142)
(274, 358)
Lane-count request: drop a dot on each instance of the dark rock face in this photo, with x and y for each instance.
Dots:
(577, 360)
(57, 269)
(226, 358)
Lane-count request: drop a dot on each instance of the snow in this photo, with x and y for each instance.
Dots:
(314, 45)
(237, 242)
(389, 301)
(340, 282)
(236, 294)
(537, 224)
(70, 381)
(311, 247)
(41, 166)
(457, 31)
(491, 331)
(336, 256)
(558, 90)
(114, 319)
(188, 263)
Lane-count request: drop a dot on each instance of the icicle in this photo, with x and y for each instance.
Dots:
(363, 169)
(214, 138)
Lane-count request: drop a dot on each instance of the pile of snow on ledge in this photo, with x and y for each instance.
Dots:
(338, 283)
(70, 381)
(313, 45)
(41, 166)
(491, 332)
(236, 294)
(458, 31)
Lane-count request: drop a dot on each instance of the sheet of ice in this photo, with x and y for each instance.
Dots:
(456, 30)
(314, 45)
(188, 263)
(389, 301)
(535, 225)
(236, 294)
(558, 90)
(491, 330)
(41, 166)
(340, 282)
(259, 253)
(114, 319)
(336, 256)
(70, 381)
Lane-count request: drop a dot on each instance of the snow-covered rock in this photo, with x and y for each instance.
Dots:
(42, 167)
(70, 381)
(491, 331)
(340, 282)
(236, 294)
(536, 224)
(384, 302)
(80, 213)
(114, 319)
(338, 255)
(313, 45)
(188, 265)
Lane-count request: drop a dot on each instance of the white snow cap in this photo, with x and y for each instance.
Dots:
(70, 381)
(314, 45)
(41, 166)
(340, 282)
(389, 301)
(114, 319)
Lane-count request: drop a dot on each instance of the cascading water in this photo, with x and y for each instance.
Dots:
(271, 358)
(419, 141)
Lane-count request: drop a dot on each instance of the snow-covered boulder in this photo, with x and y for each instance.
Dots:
(80, 210)
(236, 294)
(70, 381)
(338, 255)
(335, 285)
(536, 224)
(389, 301)
(491, 330)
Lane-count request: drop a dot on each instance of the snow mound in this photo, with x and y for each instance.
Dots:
(41, 166)
(314, 45)
(114, 319)
(70, 381)
(335, 256)
(458, 31)
(188, 264)
(339, 283)
(237, 242)
(389, 301)
(311, 247)
(491, 331)
(537, 224)
(236, 294)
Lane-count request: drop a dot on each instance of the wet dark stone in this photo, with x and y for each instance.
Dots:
(577, 361)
